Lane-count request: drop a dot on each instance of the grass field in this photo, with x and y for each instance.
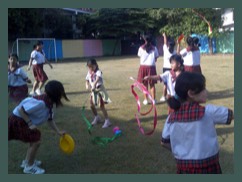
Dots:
(132, 152)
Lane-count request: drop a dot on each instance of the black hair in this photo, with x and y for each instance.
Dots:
(13, 55)
(190, 41)
(91, 62)
(34, 46)
(148, 43)
(55, 91)
(171, 45)
(186, 81)
(39, 42)
(196, 41)
(193, 42)
(178, 58)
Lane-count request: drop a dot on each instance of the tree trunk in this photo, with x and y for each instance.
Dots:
(210, 42)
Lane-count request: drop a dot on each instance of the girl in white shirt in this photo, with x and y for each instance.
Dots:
(190, 131)
(17, 80)
(168, 51)
(148, 56)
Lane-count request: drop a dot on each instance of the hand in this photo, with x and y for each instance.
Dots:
(32, 126)
(164, 34)
(61, 133)
(28, 81)
(28, 68)
(146, 78)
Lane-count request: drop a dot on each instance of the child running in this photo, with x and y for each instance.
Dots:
(169, 77)
(190, 131)
(191, 55)
(168, 51)
(99, 96)
(148, 56)
(30, 113)
(17, 80)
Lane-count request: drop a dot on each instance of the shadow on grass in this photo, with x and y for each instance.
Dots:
(221, 94)
(225, 130)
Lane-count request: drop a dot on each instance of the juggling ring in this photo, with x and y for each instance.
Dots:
(143, 89)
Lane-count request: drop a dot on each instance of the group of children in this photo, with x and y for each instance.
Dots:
(195, 152)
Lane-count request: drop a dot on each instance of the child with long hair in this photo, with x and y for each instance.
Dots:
(17, 80)
(28, 115)
(99, 96)
(190, 130)
(168, 51)
(191, 55)
(148, 56)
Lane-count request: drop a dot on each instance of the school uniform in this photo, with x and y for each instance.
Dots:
(192, 134)
(17, 86)
(39, 110)
(147, 64)
(99, 96)
(38, 66)
(191, 60)
(166, 58)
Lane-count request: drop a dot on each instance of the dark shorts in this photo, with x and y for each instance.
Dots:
(18, 93)
(39, 73)
(194, 69)
(146, 71)
(205, 166)
(18, 130)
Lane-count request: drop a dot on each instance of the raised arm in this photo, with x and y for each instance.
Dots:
(165, 38)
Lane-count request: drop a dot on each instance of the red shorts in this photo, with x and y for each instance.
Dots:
(18, 130)
(146, 71)
(39, 73)
(18, 93)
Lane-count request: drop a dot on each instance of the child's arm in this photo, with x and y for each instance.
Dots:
(55, 128)
(166, 145)
(178, 48)
(46, 61)
(30, 63)
(95, 83)
(155, 77)
(165, 38)
(87, 84)
(26, 118)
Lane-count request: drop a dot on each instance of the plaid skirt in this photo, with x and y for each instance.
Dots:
(146, 71)
(18, 130)
(205, 166)
(18, 93)
(194, 69)
(39, 73)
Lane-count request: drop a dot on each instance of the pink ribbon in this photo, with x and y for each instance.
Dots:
(143, 89)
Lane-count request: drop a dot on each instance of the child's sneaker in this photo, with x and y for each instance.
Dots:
(145, 102)
(24, 163)
(162, 99)
(38, 91)
(96, 120)
(33, 170)
(32, 93)
(107, 123)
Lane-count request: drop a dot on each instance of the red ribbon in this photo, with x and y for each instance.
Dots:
(142, 88)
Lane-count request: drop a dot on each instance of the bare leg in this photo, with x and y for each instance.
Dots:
(94, 110)
(152, 90)
(164, 91)
(41, 84)
(35, 85)
(105, 113)
(146, 86)
(31, 153)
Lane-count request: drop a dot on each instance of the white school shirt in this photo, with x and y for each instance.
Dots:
(37, 110)
(168, 80)
(38, 57)
(166, 56)
(92, 78)
(191, 58)
(17, 78)
(196, 139)
(148, 59)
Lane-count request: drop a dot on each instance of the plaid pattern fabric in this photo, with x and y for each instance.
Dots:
(193, 69)
(18, 130)
(146, 71)
(188, 112)
(205, 166)
(18, 93)
(39, 73)
(230, 116)
(48, 104)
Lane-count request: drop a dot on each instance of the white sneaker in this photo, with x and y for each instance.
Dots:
(38, 91)
(32, 93)
(96, 120)
(24, 163)
(107, 123)
(162, 99)
(145, 102)
(33, 170)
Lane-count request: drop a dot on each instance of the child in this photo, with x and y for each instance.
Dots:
(30, 113)
(17, 80)
(190, 131)
(191, 55)
(99, 95)
(168, 51)
(37, 59)
(148, 56)
(169, 77)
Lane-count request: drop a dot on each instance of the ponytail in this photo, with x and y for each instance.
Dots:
(171, 45)
(148, 45)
